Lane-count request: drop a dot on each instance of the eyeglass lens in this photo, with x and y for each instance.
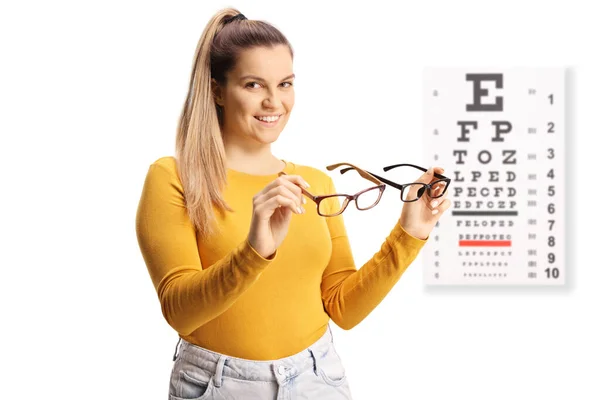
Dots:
(413, 191)
(333, 205)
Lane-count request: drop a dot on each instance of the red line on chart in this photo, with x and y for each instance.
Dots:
(484, 243)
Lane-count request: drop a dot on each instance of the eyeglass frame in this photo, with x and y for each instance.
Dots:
(348, 198)
(401, 187)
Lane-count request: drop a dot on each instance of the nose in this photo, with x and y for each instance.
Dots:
(271, 100)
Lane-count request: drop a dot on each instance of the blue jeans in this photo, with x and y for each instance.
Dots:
(314, 373)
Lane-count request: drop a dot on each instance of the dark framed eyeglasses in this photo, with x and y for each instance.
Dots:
(331, 205)
(413, 191)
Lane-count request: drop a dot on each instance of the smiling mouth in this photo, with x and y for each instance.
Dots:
(268, 119)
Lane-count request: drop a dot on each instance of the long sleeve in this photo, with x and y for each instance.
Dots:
(189, 294)
(348, 294)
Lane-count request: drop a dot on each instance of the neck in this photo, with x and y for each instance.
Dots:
(257, 160)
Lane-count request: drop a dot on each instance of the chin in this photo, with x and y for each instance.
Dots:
(267, 138)
(267, 135)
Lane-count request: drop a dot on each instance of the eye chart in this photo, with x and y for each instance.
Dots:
(499, 135)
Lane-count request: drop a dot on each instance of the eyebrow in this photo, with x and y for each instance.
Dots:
(257, 78)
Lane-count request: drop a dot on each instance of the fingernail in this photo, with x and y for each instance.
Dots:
(299, 210)
(442, 169)
(303, 200)
(435, 203)
(306, 185)
(435, 212)
(430, 171)
(303, 210)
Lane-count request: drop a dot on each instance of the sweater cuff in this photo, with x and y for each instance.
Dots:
(400, 235)
(252, 257)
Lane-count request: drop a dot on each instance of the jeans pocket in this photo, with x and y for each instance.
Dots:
(193, 385)
(331, 369)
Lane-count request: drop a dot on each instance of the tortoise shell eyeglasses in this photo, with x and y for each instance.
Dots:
(331, 205)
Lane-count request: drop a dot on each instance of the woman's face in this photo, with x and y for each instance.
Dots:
(259, 95)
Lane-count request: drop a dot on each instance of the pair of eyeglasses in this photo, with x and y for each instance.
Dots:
(413, 191)
(334, 204)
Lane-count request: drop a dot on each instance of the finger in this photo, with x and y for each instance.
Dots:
(436, 202)
(296, 179)
(426, 177)
(441, 208)
(429, 176)
(284, 201)
(445, 205)
(267, 208)
(438, 188)
(283, 190)
(294, 187)
(293, 182)
(436, 196)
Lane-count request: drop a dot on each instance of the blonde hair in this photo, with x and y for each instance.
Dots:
(199, 153)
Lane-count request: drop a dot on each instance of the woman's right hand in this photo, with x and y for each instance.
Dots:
(272, 211)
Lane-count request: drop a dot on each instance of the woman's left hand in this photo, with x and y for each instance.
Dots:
(419, 217)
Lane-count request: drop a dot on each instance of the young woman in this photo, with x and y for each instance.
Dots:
(247, 272)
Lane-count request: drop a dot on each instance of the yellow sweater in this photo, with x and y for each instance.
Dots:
(219, 293)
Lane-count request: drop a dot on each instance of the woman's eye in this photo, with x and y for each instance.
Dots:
(256, 85)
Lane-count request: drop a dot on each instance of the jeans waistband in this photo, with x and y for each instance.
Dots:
(273, 370)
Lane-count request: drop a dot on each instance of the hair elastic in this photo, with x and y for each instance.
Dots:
(240, 16)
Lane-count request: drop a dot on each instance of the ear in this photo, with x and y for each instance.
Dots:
(217, 92)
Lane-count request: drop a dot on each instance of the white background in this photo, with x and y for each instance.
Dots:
(90, 94)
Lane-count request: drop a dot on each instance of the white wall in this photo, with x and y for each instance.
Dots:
(90, 94)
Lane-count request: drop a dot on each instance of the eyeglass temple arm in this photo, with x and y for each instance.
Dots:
(389, 167)
(386, 181)
(362, 172)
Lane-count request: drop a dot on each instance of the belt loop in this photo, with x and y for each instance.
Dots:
(175, 355)
(219, 371)
(314, 359)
